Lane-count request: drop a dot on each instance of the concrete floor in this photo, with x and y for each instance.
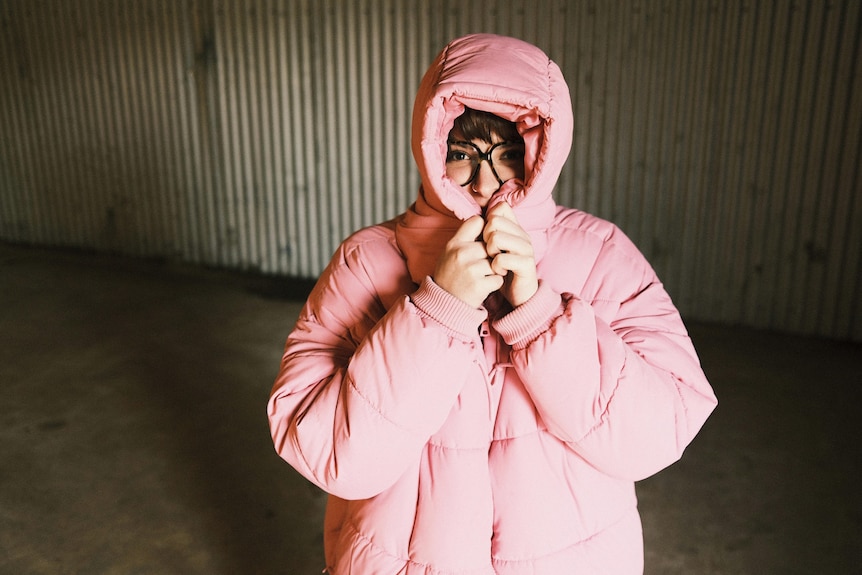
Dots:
(133, 437)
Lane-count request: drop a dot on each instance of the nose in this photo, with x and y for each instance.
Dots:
(485, 183)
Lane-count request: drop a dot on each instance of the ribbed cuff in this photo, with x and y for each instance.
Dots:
(526, 322)
(448, 310)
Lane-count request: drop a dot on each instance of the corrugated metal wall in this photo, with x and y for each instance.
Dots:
(722, 136)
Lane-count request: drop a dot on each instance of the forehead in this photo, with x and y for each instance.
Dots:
(483, 145)
(457, 136)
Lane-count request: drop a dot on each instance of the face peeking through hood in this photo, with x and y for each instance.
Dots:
(516, 82)
(484, 152)
(510, 79)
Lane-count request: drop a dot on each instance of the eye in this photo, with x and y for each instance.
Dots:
(512, 154)
(457, 156)
(460, 153)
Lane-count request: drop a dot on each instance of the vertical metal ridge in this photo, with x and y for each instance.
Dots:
(847, 243)
(754, 185)
(16, 216)
(802, 92)
(821, 161)
(829, 235)
(701, 219)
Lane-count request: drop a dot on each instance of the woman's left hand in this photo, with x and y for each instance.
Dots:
(510, 252)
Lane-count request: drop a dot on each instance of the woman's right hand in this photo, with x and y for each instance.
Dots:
(464, 269)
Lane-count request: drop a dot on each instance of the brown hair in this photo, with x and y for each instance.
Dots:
(474, 124)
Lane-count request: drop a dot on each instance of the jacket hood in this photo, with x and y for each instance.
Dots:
(514, 80)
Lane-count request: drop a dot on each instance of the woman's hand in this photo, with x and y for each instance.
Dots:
(511, 253)
(464, 269)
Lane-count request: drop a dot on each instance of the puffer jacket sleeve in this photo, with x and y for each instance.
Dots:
(362, 388)
(615, 377)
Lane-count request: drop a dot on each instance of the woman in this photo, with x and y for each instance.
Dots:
(479, 382)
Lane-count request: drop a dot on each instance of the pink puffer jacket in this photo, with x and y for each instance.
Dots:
(461, 441)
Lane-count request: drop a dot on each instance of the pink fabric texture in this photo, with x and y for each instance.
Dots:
(455, 440)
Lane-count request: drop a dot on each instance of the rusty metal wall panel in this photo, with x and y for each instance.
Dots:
(723, 137)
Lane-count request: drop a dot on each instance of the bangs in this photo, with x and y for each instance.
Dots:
(473, 125)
